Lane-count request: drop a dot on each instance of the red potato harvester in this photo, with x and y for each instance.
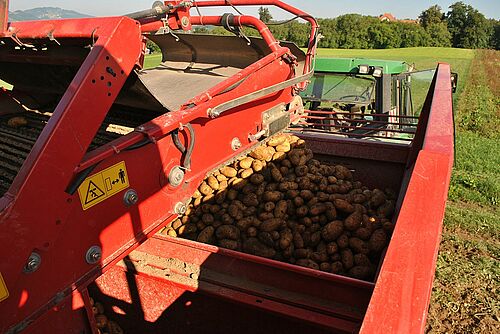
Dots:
(98, 154)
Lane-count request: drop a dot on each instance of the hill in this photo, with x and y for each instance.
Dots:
(44, 13)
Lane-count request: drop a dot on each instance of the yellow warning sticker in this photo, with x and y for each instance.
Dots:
(4, 293)
(101, 186)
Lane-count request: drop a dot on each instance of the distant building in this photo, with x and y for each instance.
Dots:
(388, 17)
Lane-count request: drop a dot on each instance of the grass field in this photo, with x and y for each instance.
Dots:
(466, 294)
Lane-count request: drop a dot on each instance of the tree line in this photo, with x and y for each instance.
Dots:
(461, 27)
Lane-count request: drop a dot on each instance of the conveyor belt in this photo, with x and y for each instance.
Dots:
(16, 143)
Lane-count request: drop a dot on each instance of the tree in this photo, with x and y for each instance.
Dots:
(457, 21)
(439, 36)
(495, 36)
(468, 27)
(264, 15)
(433, 15)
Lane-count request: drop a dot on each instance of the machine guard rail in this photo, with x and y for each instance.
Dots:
(402, 294)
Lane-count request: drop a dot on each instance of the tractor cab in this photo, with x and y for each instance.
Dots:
(357, 97)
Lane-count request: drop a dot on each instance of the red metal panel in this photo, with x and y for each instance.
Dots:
(40, 216)
(4, 15)
(402, 292)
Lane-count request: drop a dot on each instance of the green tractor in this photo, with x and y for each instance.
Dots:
(364, 97)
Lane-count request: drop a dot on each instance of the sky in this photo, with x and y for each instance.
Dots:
(318, 8)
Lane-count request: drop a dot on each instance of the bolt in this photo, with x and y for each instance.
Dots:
(236, 144)
(34, 262)
(130, 198)
(185, 21)
(180, 208)
(176, 176)
(93, 255)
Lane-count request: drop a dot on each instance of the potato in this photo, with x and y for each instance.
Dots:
(360, 272)
(353, 222)
(298, 201)
(246, 173)
(362, 260)
(378, 241)
(272, 225)
(206, 235)
(257, 179)
(221, 177)
(272, 196)
(283, 148)
(281, 209)
(213, 183)
(187, 229)
(232, 194)
(278, 156)
(317, 209)
(246, 163)
(228, 172)
(325, 266)
(252, 232)
(308, 263)
(229, 244)
(298, 241)
(386, 210)
(266, 238)
(227, 232)
(332, 248)
(358, 246)
(332, 230)
(276, 175)
(343, 241)
(257, 166)
(342, 173)
(302, 253)
(247, 222)
(17, 122)
(207, 218)
(288, 185)
(347, 258)
(205, 189)
(176, 224)
(343, 205)
(388, 226)
(302, 211)
(260, 153)
(286, 239)
(255, 247)
(277, 140)
(319, 257)
(337, 267)
(377, 199)
(363, 233)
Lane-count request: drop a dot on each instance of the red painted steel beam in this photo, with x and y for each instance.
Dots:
(4, 15)
(402, 293)
(36, 207)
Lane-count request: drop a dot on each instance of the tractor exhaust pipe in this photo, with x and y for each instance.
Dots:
(4, 15)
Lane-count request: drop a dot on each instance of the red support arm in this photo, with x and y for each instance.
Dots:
(4, 14)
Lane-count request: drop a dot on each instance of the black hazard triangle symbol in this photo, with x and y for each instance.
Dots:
(93, 193)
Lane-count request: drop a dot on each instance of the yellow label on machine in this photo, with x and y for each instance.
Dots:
(103, 185)
(4, 293)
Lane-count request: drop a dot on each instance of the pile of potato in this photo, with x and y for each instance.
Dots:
(104, 326)
(280, 203)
